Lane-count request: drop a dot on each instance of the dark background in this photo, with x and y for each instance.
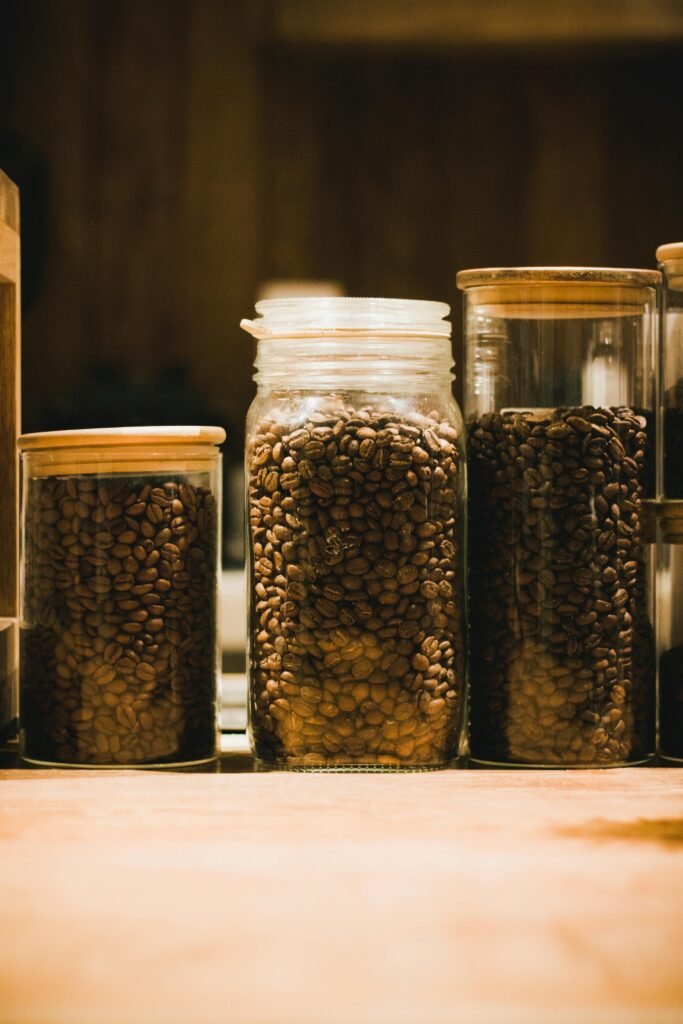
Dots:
(174, 154)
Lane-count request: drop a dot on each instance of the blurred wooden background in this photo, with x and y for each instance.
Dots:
(175, 153)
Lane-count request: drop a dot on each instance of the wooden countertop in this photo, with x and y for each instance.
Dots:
(473, 896)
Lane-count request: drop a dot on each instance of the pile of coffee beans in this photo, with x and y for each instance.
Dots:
(562, 652)
(119, 639)
(356, 636)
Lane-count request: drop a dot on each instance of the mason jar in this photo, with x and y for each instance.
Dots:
(560, 397)
(120, 553)
(355, 487)
(670, 510)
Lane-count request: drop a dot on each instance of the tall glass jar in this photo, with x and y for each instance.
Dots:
(120, 553)
(559, 407)
(355, 489)
(670, 511)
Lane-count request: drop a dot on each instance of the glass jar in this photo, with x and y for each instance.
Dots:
(355, 489)
(120, 549)
(559, 408)
(670, 511)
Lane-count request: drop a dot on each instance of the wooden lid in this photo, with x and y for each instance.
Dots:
(670, 251)
(559, 293)
(558, 276)
(670, 256)
(108, 437)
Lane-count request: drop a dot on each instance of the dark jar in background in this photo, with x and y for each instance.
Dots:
(559, 408)
(670, 509)
(120, 549)
(355, 490)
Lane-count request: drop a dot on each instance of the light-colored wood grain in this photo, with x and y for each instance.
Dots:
(10, 398)
(9, 252)
(231, 156)
(9, 664)
(9, 202)
(446, 897)
(440, 23)
(225, 202)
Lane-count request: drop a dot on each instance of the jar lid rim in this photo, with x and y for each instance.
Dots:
(624, 276)
(328, 314)
(113, 436)
(669, 251)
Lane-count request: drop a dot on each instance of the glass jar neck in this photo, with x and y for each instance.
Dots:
(362, 362)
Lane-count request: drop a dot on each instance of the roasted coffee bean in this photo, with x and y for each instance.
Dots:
(559, 589)
(118, 664)
(355, 557)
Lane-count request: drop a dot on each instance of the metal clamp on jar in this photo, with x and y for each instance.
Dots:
(355, 479)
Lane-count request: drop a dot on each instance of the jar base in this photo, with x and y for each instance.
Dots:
(34, 762)
(352, 769)
(478, 762)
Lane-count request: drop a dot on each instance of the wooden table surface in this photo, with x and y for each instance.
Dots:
(470, 896)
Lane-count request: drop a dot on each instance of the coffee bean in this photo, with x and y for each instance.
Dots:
(355, 558)
(139, 686)
(551, 597)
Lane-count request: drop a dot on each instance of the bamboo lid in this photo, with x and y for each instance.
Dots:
(105, 437)
(111, 450)
(670, 256)
(559, 276)
(669, 251)
(549, 293)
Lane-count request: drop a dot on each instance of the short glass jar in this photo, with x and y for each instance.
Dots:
(560, 384)
(670, 509)
(120, 553)
(355, 492)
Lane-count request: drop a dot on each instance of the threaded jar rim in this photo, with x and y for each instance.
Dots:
(324, 316)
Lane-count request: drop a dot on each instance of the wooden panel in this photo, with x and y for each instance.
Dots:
(644, 200)
(467, 23)
(137, 167)
(226, 162)
(303, 184)
(52, 97)
(10, 349)
(390, 170)
(563, 208)
(9, 202)
(111, 79)
(226, 153)
(8, 677)
(514, 897)
(10, 403)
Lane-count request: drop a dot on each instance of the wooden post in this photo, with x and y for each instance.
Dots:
(10, 367)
